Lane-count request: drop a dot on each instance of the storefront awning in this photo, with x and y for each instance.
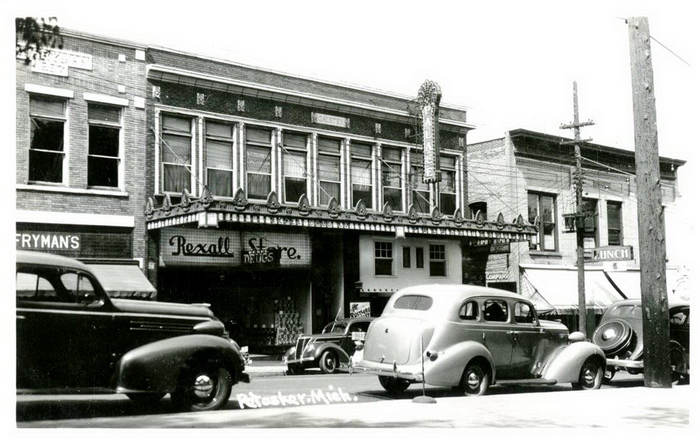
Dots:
(629, 284)
(124, 281)
(556, 289)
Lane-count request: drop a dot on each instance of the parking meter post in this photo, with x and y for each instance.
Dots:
(423, 398)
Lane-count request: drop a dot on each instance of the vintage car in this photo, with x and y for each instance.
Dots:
(472, 337)
(72, 336)
(619, 334)
(330, 350)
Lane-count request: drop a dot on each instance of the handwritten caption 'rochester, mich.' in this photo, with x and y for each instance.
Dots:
(315, 397)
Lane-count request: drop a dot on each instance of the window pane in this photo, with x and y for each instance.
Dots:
(293, 140)
(219, 155)
(104, 113)
(293, 189)
(391, 175)
(259, 135)
(362, 192)
(407, 257)
(382, 267)
(414, 302)
(391, 154)
(448, 182)
(329, 188)
(421, 201)
(329, 145)
(104, 141)
(361, 172)
(47, 107)
(533, 205)
(176, 178)
(47, 134)
(220, 182)
(393, 198)
(103, 172)
(547, 209)
(176, 149)
(259, 160)
(176, 123)
(419, 257)
(258, 186)
(360, 149)
(294, 164)
(216, 129)
(329, 168)
(448, 204)
(45, 166)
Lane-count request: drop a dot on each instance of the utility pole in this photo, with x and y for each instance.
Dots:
(652, 243)
(580, 217)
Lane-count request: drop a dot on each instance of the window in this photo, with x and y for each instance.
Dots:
(219, 149)
(328, 170)
(414, 302)
(542, 211)
(391, 178)
(361, 173)
(46, 149)
(448, 188)
(478, 207)
(104, 126)
(33, 287)
(590, 225)
(406, 257)
(176, 153)
(420, 192)
(495, 310)
(294, 166)
(438, 260)
(469, 311)
(614, 223)
(524, 313)
(383, 258)
(258, 151)
(420, 258)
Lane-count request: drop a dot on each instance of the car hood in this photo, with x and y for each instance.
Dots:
(163, 308)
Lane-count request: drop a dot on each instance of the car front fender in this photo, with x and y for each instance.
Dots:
(156, 367)
(447, 368)
(565, 364)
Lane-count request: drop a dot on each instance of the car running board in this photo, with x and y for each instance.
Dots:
(522, 382)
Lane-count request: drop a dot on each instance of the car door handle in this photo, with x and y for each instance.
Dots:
(20, 317)
(511, 332)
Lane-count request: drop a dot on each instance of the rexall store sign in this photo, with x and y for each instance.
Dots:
(204, 247)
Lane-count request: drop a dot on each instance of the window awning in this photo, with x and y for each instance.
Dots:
(556, 289)
(629, 284)
(124, 281)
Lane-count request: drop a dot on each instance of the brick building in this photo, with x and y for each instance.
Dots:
(285, 202)
(80, 157)
(532, 174)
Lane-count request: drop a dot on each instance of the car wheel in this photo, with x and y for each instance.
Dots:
(591, 376)
(679, 365)
(394, 385)
(203, 388)
(146, 398)
(295, 370)
(328, 362)
(614, 337)
(475, 380)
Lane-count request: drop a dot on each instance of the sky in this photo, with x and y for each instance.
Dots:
(511, 64)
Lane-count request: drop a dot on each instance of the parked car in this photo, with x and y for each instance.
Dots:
(619, 334)
(330, 350)
(473, 337)
(71, 335)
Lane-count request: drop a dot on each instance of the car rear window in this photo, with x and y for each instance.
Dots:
(414, 302)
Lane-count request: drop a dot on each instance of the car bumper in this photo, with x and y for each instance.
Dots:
(410, 373)
(619, 363)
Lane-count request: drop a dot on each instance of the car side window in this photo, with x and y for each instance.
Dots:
(469, 311)
(359, 327)
(495, 310)
(33, 287)
(523, 313)
(78, 286)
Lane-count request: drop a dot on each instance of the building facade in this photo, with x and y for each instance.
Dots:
(533, 174)
(80, 157)
(286, 202)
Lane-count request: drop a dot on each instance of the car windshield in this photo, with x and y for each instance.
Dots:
(626, 311)
(337, 327)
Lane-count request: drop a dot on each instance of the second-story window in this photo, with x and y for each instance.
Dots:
(46, 149)
(420, 192)
(219, 148)
(479, 206)
(328, 170)
(391, 178)
(541, 209)
(448, 185)
(590, 223)
(361, 173)
(176, 153)
(614, 223)
(294, 166)
(258, 150)
(104, 126)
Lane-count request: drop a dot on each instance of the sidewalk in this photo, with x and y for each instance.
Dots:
(265, 365)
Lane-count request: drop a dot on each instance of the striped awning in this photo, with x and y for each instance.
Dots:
(124, 281)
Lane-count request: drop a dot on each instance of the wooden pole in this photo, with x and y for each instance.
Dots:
(652, 243)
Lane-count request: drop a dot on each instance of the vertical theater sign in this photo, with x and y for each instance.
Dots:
(429, 96)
